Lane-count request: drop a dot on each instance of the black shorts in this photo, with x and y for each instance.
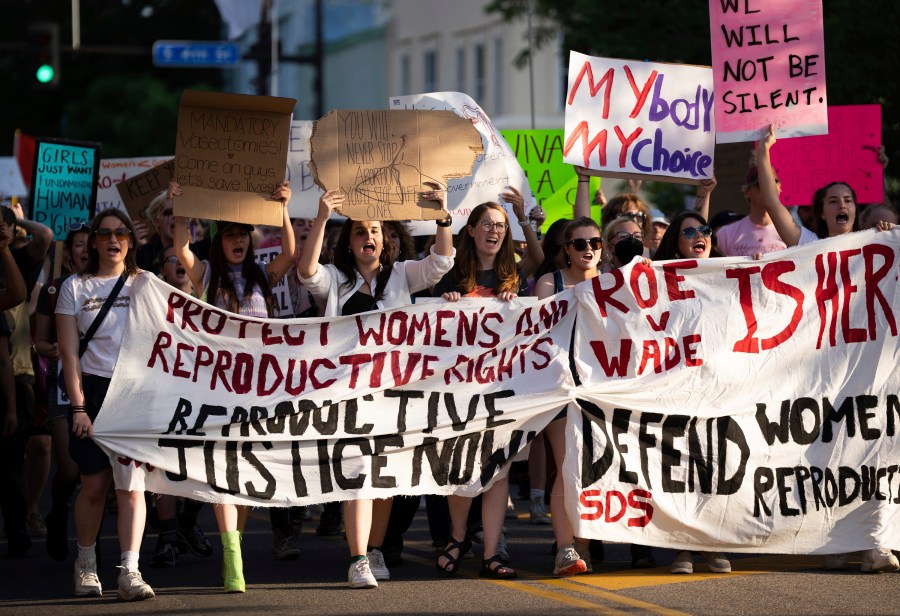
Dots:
(86, 453)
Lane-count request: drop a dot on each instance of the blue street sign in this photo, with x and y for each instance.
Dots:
(196, 54)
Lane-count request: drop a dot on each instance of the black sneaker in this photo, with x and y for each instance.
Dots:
(57, 535)
(194, 541)
(166, 554)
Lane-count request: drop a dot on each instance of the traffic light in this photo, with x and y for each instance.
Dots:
(43, 54)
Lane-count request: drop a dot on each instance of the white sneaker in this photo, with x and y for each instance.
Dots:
(717, 562)
(87, 584)
(377, 566)
(879, 560)
(538, 512)
(684, 563)
(132, 586)
(360, 576)
(835, 562)
(568, 562)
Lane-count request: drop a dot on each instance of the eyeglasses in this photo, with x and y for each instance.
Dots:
(635, 216)
(167, 211)
(580, 244)
(622, 235)
(690, 233)
(499, 227)
(121, 233)
(72, 227)
(172, 259)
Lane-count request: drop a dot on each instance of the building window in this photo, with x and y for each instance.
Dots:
(478, 90)
(431, 76)
(405, 75)
(498, 76)
(461, 69)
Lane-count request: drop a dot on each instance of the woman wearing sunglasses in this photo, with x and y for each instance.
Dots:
(582, 249)
(111, 258)
(690, 237)
(623, 240)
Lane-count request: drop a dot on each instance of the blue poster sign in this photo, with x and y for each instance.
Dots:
(64, 186)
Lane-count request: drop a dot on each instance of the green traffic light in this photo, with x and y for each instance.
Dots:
(44, 73)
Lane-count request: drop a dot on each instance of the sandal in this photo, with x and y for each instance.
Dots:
(452, 566)
(500, 572)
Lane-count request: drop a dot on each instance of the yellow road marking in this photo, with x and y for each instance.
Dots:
(569, 583)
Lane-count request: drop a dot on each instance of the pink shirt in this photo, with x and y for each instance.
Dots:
(744, 238)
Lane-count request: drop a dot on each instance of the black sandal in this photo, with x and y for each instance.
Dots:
(452, 566)
(500, 572)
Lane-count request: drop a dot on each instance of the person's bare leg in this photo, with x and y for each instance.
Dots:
(358, 525)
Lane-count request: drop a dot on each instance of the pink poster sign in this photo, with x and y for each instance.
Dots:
(768, 68)
(848, 153)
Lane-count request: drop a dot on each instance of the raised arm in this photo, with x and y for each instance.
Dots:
(280, 265)
(308, 263)
(15, 291)
(534, 252)
(704, 192)
(41, 235)
(582, 205)
(781, 218)
(181, 240)
(443, 237)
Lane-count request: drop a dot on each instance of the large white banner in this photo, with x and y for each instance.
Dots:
(719, 404)
(743, 405)
(432, 398)
(495, 169)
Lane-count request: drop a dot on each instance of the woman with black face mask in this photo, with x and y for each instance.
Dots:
(623, 240)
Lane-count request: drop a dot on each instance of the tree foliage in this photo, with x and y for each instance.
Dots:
(117, 98)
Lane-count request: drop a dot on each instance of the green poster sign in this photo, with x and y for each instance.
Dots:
(553, 182)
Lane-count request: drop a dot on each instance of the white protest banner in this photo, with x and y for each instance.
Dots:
(283, 307)
(633, 119)
(495, 169)
(739, 405)
(116, 170)
(769, 65)
(305, 192)
(11, 182)
(434, 398)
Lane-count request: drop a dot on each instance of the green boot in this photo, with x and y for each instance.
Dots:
(232, 564)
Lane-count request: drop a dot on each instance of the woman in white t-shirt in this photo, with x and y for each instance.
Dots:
(81, 298)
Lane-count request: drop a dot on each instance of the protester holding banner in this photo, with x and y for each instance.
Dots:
(582, 250)
(90, 319)
(234, 281)
(623, 240)
(75, 259)
(365, 277)
(485, 267)
(834, 205)
(689, 236)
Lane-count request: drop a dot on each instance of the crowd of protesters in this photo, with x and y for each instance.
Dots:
(63, 332)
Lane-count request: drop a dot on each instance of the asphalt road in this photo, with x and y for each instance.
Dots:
(316, 582)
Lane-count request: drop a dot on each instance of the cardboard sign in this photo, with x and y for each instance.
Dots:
(630, 119)
(848, 153)
(230, 154)
(64, 185)
(769, 67)
(382, 159)
(130, 184)
(305, 192)
(11, 182)
(495, 169)
(553, 182)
